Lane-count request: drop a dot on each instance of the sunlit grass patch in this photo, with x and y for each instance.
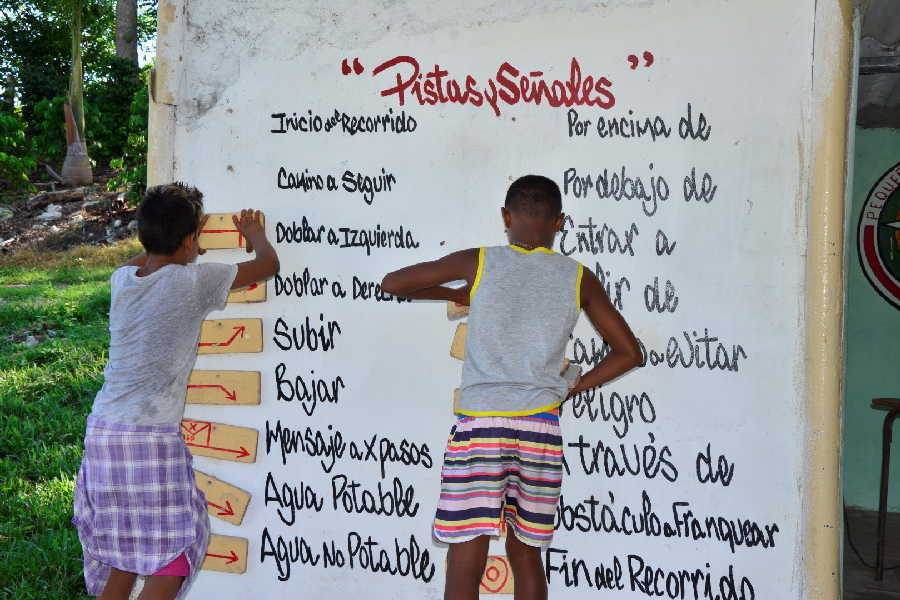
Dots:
(45, 394)
(79, 264)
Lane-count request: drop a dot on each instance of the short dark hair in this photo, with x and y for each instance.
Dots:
(167, 214)
(534, 195)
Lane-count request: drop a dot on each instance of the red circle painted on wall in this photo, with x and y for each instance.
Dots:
(878, 236)
(496, 574)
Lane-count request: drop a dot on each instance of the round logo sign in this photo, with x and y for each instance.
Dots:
(879, 236)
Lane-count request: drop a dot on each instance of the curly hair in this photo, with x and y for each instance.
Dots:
(167, 214)
(535, 195)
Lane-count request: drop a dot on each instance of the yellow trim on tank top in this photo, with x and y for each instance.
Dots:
(532, 251)
(578, 285)
(478, 273)
(508, 413)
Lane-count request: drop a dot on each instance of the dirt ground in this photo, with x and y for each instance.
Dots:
(57, 217)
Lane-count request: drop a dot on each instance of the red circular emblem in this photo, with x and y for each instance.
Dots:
(878, 236)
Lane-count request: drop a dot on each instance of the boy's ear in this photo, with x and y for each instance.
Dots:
(506, 216)
(189, 241)
(560, 220)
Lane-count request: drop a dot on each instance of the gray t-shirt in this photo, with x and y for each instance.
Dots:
(154, 328)
(524, 305)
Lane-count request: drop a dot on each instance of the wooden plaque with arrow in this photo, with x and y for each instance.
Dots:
(255, 292)
(229, 336)
(220, 232)
(456, 311)
(229, 388)
(223, 500)
(226, 554)
(458, 345)
(215, 440)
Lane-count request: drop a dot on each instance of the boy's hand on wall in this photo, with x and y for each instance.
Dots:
(265, 264)
(462, 295)
(250, 225)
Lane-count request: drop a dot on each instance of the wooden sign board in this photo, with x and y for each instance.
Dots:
(223, 500)
(231, 388)
(497, 577)
(255, 292)
(230, 336)
(456, 311)
(215, 440)
(226, 554)
(220, 232)
(458, 346)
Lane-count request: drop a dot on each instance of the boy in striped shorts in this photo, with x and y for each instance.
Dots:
(504, 455)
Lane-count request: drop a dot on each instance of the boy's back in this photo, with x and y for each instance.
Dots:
(504, 454)
(524, 305)
(137, 506)
(154, 326)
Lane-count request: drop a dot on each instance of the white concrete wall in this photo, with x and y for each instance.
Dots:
(737, 270)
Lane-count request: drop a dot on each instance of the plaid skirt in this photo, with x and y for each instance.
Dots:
(137, 505)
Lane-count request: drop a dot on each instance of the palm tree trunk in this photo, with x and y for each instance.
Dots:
(76, 74)
(126, 30)
(76, 168)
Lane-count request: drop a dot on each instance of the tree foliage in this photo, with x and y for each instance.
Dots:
(35, 47)
(15, 161)
(132, 163)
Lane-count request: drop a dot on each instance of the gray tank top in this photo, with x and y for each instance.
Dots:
(523, 307)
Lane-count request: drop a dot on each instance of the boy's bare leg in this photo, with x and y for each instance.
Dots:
(465, 566)
(118, 585)
(161, 587)
(527, 567)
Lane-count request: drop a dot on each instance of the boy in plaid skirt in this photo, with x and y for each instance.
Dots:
(137, 507)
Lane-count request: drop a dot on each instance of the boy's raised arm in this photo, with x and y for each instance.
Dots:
(266, 262)
(626, 352)
(425, 281)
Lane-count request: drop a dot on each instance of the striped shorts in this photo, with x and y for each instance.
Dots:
(501, 469)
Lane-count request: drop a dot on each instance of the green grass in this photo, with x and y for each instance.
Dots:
(45, 395)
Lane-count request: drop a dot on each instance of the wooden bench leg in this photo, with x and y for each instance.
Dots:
(886, 435)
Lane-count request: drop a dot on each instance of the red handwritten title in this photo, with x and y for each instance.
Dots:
(509, 86)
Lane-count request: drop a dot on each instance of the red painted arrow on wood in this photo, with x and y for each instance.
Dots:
(238, 331)
(226, 511)
(233, 557)
(230, 394)
(239, 453)
(249, 288)
(240, 235)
